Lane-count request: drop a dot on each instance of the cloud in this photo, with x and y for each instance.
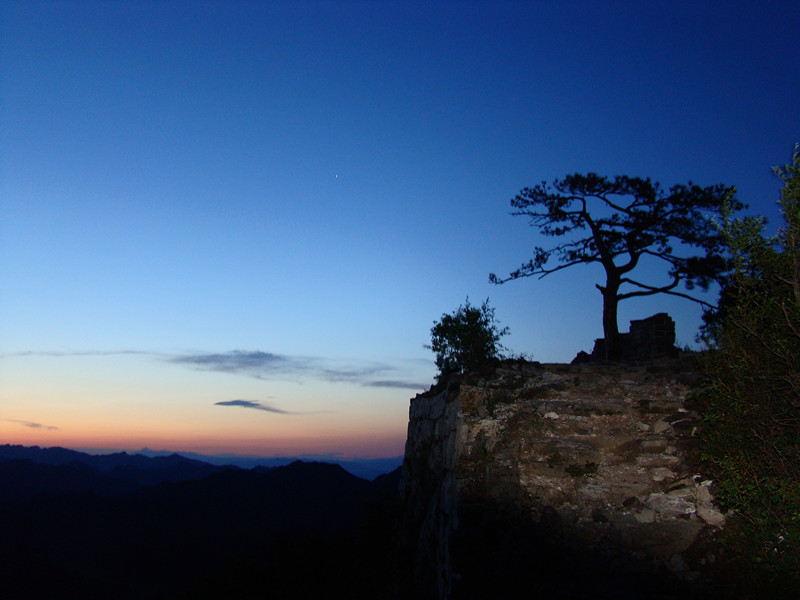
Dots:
(356, 374)
(253, 404)
(405, 385)
(235, 360)
(32, 425)
(266, 365)
(255, 363)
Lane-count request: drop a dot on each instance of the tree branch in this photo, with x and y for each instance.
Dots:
(652, 290)
(540, 271)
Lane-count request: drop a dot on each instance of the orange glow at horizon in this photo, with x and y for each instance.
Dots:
(377, 443)
(134, 406)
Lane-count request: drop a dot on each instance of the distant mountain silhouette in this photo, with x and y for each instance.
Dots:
(190, 468)
(58, 470)
(121, 526)
(366, 468)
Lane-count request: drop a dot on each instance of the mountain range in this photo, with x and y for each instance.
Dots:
(74, 525)
(366, 468)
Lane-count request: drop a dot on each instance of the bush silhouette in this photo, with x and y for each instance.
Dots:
(466, 338)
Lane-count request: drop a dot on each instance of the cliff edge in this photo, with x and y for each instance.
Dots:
(579, 480)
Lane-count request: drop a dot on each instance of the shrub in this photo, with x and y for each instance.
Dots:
(466, 339)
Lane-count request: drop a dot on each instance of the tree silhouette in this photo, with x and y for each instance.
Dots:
(617, 223)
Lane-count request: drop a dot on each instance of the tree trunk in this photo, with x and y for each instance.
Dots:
(613, 343)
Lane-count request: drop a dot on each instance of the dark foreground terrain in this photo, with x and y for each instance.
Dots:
(169, 527)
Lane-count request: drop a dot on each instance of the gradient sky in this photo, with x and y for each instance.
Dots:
(229, 226)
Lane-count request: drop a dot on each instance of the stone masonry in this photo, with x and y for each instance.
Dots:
(647, 339)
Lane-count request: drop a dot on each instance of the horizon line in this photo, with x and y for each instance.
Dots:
(333, 456)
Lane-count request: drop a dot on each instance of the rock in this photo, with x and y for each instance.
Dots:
(661, 474)
(657, 460)
(711, 515)
(704, 495)
(646, 515)
(687, 493)
(662, 427)
(683, 484)
(651, 445)
(670, 505)
(551, 415)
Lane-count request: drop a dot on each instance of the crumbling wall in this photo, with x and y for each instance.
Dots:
(647, 339)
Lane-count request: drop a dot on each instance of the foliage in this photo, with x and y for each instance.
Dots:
(752, 408)
(465, 339)
(620, 221)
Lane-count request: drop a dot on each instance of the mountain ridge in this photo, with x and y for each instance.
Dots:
(366, 468)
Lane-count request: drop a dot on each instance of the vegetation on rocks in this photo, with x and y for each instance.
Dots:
(752, 407)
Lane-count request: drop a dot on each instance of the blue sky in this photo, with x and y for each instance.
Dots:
(267, 204)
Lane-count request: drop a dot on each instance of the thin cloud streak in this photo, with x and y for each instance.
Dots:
(404, 385)
(32, 425)
(236, 360)
(265, 365)
(254, 405)
(257, 364)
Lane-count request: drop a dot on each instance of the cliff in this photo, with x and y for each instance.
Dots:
(579, 480)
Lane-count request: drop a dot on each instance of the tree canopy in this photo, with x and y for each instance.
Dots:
(619, 221)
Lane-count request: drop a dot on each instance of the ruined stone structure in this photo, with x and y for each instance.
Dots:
(648, 339)
(588, 468)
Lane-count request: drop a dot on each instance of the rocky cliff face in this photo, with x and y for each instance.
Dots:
(583, 467)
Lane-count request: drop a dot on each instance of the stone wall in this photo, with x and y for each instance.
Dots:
(586, 460)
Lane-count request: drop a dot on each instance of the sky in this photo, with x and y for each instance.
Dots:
(228, 227)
